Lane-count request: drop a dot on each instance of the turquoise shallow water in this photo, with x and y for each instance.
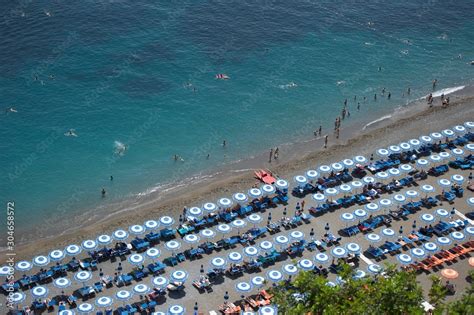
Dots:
(125, 72)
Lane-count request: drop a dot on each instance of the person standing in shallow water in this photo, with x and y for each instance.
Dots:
(325, 141)
(271, 155)
(276, 153)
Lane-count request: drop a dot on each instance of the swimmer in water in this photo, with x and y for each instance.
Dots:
(11, 110)
(103, 192)
(70, 133)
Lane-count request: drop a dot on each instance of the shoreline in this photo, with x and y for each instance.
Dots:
(229, 179)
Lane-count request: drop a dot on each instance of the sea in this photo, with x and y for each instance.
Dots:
(98, 88)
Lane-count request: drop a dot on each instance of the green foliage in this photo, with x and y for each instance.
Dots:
(437, 293)
(465, 305)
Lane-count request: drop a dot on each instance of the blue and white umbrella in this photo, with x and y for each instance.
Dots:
(359, 274)
(281, 240)
(385, 203)
(470, 201)
(266, 245)
(120, 235)
(448, 133)
(290, 269)
(300, 180)
(417, 252)
(225, 203)
(436, 136)
(372, 207)
(153, 253)
(6, 270)
(23, 265)
(430, 246)
(281, 184)
(89, 244)
(141, 288)
(235, 257)
(427, 217)
(399, 198)
(411, 194)
(243, 287)
(136, 259)
(172, 245)
(218, 262)
(267, 189)
(238, 224)
(444, 155)
(348, 163)
(268, 310)
(16, 297)
(255, 193)
(251, 251)
(166, 220)
(176, 310)
(435, 158)
(374, 268)
(459, 129)
(318, 197)
(57, 255)
(388, 232)
(426, 139)
(258, 281)
(347, 217)
(338, 252)
(394, 172)
(427, 188)
(374, 238)
(39, 292)
(353, 248)
(306, 264)
(357, 184)
(406, 168)
(123, 295)
(382, 175)
(208, 233)
(151, 224)
(179, 275)
(414, 143)
(469, 125)
(404, 258)
(360, 213)
(137, 229)
(368, 179)
(458, 236)
(41, 261)
(337, 167)
(405, 146)
(359, 159)
(191, 238)
(422, 163)
(210, 207)
(458, 179)
(457, 152)
(241, 198)
(395, 149)
(444, 182)
(331, 191)
(296, 235)
(254, 218)
(195, 211)
(274, 275)
(104, 239)
(62, 283)
(469, 147)
(321, 258)
(345, 188)
(383, 152)
(72, 250)
(104, 301)
(66, 312)
(443, 240)
(85, 308)
(443, 213)
(160, 282)
(324, 169)
(224, 228)
(83, 276)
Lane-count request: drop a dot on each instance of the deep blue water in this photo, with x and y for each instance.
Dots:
(142, 73)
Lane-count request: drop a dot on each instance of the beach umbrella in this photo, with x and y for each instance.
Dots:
(427, 189)
(444, 155)
(404, 259)
(357, 184)
(72, 250)
(469, 147)
(66, 312)
(166, 221)
(179, 275)
(411, 194)
(160, 282)
(347, 217)
(104, 302)
(388, 232)
(218, 262)
(40, 261)
(457, 152)
(359, 274)
(39, 292)
(469, 230)
(458, 236)
(151, 225)
(176, 310)
(83, 276)
(290, 269)
(436, 136)
(385, 203)
(238, 224)
(123, 295)
(258, 281)
(235, 257)
(459, 129)
(243, 287)
(61, 283)
(268, 310)
(359, 159)
(281, 240)
(153, 253)
(338, 252)
(459, 179)
(321, 258)
(195, 211)
(382, 175)
(255, 193)
(374, 268)
(305, 264)
(318, 197)
(225, 203)
(266, 245)
(372, 237)
(422, 163)
(368, 179)
(395, 149)
(267, 189)
(443, 213)
(360, 213)
(191, 238)
(240, 198)
(427, 217)
(274, 275)
(136, 259)
(470, 201)
(137, 229)
(224, 228)
(353, 248)
(449, 273)
(345, 188)
(371, 207)
(325, 169)
(430, 246)
(207, 233)
(348, 163)
(415, 143)
(141, 289)
(417, 252)
(406, 168)
(405, 146)
(23, 265)
(469, 125)
(281, 184)
(300, 180)
(448, 133)
(383, 153)
(120, 235)
(172, 245)
(426, 139)
(209, 207)
(443, 240)
(89, 245)
(296, 235)
(444, 182)
(16, 297)
(254, 218)
(6, 270)
(104, 239)
(394, 172)
(399, 198)
(85, 308)
(435, 158)
(251, 251)
(56, 255)
(331, 191)
(337, 167)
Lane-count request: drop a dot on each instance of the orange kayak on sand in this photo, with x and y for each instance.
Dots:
(265, 177)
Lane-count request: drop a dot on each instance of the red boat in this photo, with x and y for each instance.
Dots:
(265, 177)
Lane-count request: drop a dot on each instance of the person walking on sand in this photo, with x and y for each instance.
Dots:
(271, 155)
(277, 152)
(302, 205)
(325, 141)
